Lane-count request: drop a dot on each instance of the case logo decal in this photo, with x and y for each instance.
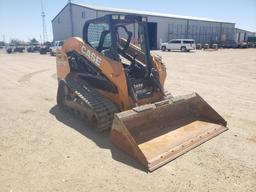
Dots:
(90, 55)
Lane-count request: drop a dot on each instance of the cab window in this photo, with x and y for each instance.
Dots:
(98, 31)
(188, 42)
(175, 41)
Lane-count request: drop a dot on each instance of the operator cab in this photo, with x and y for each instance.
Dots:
(124, 38)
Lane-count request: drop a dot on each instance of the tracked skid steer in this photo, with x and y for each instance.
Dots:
(110, 78)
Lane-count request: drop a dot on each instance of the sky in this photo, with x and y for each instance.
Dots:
(21, 19)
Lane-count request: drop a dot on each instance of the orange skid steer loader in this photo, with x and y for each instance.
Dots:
(119, 86)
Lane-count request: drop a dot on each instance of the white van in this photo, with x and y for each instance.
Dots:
(56, 45)
(179, 44)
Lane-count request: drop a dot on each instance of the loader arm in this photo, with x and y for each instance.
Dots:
(109, 69)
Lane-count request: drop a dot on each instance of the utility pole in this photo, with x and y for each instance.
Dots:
(45, 38)
(4, 38)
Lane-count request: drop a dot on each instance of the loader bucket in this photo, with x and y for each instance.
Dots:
(155, 134)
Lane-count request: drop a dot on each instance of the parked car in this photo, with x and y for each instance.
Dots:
(19, 49)
(44, 50)
(33, 48)
(229, 44)
(242, 44)
(251, 41)
(179, 44)
(9, 50)
(15, 49)
(56, 45)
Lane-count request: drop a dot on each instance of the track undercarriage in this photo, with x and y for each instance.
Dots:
(77, 96)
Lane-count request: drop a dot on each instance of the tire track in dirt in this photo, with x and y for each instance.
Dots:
(28, 76)
(54, 76)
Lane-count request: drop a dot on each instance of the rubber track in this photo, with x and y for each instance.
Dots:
(102, 108)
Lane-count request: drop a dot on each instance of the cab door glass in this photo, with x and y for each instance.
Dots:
(98, 31)
(122, 36)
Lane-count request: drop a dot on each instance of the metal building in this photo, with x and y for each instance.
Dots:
(162, 27)
(242, 35)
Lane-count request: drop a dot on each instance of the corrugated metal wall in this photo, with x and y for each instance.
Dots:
(201, 31)
(61, 25)
(167, 28)
(242, 35)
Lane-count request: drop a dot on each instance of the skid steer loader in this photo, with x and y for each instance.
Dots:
(110, 78)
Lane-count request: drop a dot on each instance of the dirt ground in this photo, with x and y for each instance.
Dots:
(44, 149)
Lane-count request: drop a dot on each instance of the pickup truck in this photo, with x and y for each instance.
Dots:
(56, 45)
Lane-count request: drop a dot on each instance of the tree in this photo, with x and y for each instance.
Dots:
(15, 42)
(2, 43)
(33, 41)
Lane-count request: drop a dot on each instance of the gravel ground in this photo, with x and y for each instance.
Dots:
(44, 149)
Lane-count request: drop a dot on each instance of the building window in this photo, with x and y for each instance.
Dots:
(59, 20)
(83, 14)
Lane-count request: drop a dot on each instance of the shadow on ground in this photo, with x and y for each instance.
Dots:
(101, 139)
